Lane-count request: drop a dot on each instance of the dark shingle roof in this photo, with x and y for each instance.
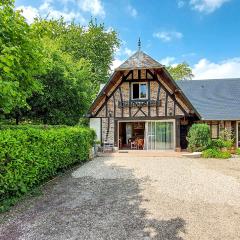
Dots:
(217, 99)
(139, 60)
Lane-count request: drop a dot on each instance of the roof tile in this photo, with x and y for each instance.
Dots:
(139, 60)
(216, 99)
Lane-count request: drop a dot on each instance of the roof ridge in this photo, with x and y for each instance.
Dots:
(139, 60)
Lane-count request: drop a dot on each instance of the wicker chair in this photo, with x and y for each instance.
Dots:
(140, 143)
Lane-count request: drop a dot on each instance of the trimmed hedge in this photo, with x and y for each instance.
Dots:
(30, 156)
(27, 126)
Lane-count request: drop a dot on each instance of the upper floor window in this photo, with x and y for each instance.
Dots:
(139, 91)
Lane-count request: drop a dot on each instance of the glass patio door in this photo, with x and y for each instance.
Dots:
(160, 135)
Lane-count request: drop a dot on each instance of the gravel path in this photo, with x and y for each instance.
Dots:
(134, 198)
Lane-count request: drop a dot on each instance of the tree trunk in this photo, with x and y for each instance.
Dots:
(17, 118)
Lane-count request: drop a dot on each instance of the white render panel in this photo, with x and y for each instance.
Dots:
(95, 124)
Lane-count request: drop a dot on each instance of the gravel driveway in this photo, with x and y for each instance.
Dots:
(134, 198)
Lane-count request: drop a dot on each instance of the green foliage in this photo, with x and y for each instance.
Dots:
(50, 71)
(77, 60)
(180, 72)
(30, 156)
(216, 149)
(94, 43)
(199, 137)
(7, 203)
(221, 143)
(27, 126)
(226, 135)
(216, 153)
(238, 151)
(20, 59)
(68, 89)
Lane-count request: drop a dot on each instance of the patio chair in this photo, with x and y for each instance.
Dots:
(133, 144)
(140, 143)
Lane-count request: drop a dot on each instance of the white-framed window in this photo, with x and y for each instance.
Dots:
(139, 91)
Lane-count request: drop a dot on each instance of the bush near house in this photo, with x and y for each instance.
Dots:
(199, 140)
(199, 137)
(238, 151)
(30, 156)
(221, 143)
(215, 153)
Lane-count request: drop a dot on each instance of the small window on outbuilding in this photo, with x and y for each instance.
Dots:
(214, 131)
(139, 91)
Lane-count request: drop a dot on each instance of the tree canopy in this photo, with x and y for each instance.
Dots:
(67, 88)
(20, 59)
(51, 70)
(78, 60)
(181, 71)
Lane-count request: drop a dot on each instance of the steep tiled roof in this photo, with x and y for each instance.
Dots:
(139, 60)
(217, 99)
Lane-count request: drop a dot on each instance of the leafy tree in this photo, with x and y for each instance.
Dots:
(181, 72)
(76, 60)
(51, 70)
(93, 43)
(67, 88)
(20, 59)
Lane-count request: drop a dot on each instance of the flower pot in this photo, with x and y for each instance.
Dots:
(233, 150)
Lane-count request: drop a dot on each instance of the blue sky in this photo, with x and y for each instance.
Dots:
(204, 33)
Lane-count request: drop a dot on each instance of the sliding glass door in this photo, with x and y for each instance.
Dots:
(160, 135)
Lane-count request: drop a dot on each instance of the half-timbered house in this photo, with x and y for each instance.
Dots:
(141, 102)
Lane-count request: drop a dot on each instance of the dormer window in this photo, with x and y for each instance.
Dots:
(139, 91)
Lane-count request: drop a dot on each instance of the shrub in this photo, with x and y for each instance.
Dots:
(220, 143)
(199, 137)
(29, 156)
(215, 153)
(226, 134)
(238, 151)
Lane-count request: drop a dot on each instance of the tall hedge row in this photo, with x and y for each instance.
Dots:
(31, 155)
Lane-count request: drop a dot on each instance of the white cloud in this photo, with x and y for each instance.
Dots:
(116, 63)
(29, 13)
(132, 11)
(167, 61)
(128, 52)
(47, 10)
(124, 52)
(207, 6)
(168, 36)
(95, 7)
(206, 69)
